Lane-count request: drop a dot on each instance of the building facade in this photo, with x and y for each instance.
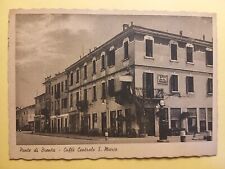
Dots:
(117, 86)
(42, 113)
(25, 118)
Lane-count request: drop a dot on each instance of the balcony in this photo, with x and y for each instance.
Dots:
(155, 94)
(126, 95)
(82, 105)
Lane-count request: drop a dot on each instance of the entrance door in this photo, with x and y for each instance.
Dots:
(148, 85)
(58, 126)
(192, 124)
(104, 122)
(150, 121)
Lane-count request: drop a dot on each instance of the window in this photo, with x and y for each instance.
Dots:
(56, 105)
(52, 90)
(52, 106)
(62, 86)
(113, 119)
(103, 61)
(148, 85)
(71, 100)
(111, 57)
(55, 89)
(209, 86)
(189, 84)
(71, 79)
(149, 47)
(103, 90)
(173, 51)
(94, 120)
(189, 54)
(202, 118)
(175, 117)
(126, 53)
(94, 66)
(192, 119)
(174, 83)
(209, 57)
(111, 87)
(209, 117)
(78, 76)
(64, 103)
(94, 93)
(85, 71)
(77, 97)
(85, 94)
(66, 84)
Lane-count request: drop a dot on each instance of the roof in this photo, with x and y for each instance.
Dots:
(24, 108)
(41, 95)
(140, 29)
(136, 29)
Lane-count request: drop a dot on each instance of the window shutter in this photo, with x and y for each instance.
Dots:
(171, 83)
(187, 85)
(144, 85)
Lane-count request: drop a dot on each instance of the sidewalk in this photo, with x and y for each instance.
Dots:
(189, 138)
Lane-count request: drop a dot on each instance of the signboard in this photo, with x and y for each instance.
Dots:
(162, 79)
(125, 78)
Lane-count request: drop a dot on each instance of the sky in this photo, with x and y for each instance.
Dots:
(48, 43)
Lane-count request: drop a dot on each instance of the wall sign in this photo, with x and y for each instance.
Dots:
(162, 79)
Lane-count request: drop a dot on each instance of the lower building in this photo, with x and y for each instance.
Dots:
(25, 118)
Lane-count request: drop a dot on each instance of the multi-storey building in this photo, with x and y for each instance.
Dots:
(25, 118)
(118, 85)
(58, 91)
(42, 110)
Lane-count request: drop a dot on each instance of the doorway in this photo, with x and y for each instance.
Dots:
(58, 126)
(104, 122)
(150, 121)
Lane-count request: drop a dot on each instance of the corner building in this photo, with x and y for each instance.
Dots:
(118, 86)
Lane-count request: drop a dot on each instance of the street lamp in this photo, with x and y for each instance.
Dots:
(163, 125)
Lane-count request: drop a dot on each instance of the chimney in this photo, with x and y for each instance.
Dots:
(125, 26)
(89, 50)
(132, 23)
(181, 33)
(203, 37)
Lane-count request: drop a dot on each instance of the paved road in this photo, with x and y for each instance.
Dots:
(26, 138)
(32, 139)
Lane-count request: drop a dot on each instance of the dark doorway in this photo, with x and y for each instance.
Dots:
(58, 125)
(85, 124)
(192, 124)
(104, 122)
(150, 121)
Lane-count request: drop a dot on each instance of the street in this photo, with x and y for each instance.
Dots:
(27, 138)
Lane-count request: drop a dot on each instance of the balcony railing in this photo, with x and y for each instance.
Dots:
(156, 94)
(127, 95)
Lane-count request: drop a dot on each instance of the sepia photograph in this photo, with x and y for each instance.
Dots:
(100, 82)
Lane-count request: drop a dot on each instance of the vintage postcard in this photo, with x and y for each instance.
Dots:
(111, 84)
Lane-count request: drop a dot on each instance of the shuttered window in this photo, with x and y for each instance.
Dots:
(149, 47)
(174, 83)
